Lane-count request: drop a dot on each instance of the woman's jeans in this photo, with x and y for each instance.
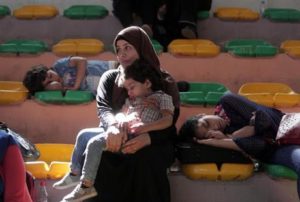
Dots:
(289, 156)
(87, 153)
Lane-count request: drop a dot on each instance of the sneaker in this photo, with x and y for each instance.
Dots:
(189, 32)
(67, 181)
(79, 194)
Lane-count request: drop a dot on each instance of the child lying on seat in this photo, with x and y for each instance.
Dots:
(70, 73)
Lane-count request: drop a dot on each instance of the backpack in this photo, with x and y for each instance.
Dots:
(28, 149)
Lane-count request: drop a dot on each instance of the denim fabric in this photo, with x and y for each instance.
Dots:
(289, 156)
(81, 144)
(93, 154)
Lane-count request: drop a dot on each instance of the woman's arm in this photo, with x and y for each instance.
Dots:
(243, 132)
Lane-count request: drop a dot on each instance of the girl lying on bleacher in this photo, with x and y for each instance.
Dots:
(70, 73)
(245, 126)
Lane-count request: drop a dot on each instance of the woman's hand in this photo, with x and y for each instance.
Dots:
(136, 143)
(114, 139)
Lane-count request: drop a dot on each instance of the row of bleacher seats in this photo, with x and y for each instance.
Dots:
(97, 11)
(191, 93)
(186, 47)
(53, 163)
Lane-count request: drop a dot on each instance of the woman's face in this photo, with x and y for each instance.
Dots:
(207, 124)
(126, 53)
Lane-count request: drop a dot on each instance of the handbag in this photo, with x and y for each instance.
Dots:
(28, 149)
(289, 129)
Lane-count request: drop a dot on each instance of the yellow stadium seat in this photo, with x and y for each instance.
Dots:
(291, 47)
(270, 94)
(12, 92)
(229, 13)
(193, 47)
(210, 171)
(286, 99)
(53, 163)
(201, 171)
(39, 169)
(234, 171)
(55, 152)
(58, 169)
(78, 47)
(35, 12)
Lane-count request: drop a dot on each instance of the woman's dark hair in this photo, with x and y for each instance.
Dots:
(188, 128)
(34, 78)
(141, 71)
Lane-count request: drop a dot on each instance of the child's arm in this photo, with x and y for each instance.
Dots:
(162, 123)
(246, 131)
(80, 63)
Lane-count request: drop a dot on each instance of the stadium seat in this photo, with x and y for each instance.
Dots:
(53, 163)
(193, 47)
(237, 14)
(250, 48)
(291, 48)
(12, 92)
(70, 97)
(282, 14)
(270, 94)
(279, 171)
(86, 12)
(203, 93)
(35, 12)
(22, 46)
(78, 47)
(4, 10)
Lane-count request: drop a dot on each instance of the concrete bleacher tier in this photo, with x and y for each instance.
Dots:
(51, 123)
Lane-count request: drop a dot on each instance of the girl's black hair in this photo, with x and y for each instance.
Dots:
(188, 128)
(141, 71)
(34, 78)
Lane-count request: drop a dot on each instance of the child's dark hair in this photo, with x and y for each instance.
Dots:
(141, 71)
(188, 128)
(34, 78)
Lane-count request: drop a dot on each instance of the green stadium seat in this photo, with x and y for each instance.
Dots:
(203, 93)
(282, 14)
(157, 46)
(86, 12)
(57, 97)
(250, 48)
(4, 10)
(279, 171)
(20, 46)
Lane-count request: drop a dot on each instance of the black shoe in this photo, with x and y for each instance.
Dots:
(189, 32)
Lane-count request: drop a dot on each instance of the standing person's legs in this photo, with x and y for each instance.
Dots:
(289, 156)
(72, 178)
(123, 10)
